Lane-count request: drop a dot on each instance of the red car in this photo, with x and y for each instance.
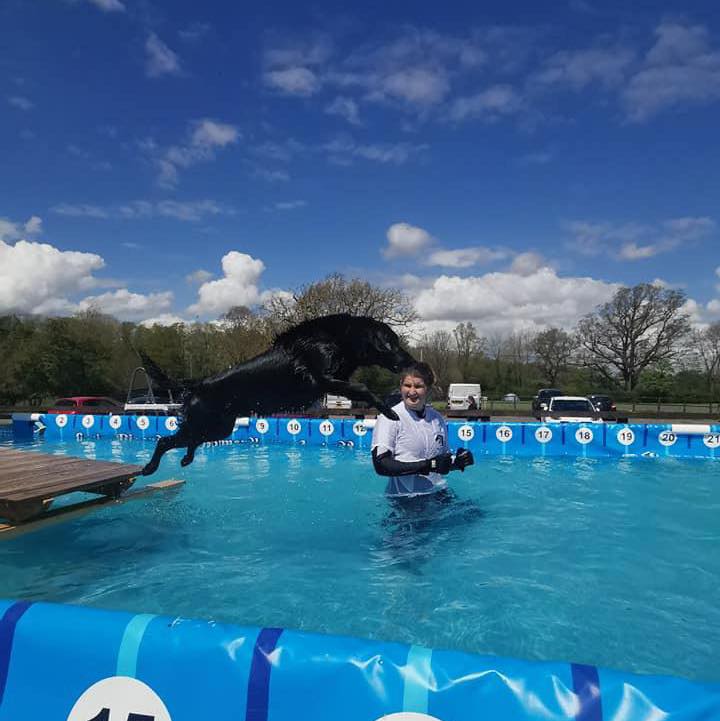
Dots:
(95, 405)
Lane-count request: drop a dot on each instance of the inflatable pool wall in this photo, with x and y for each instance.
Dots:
(79, 664)
(526, 439)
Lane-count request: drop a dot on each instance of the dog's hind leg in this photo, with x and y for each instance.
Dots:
(163, 446)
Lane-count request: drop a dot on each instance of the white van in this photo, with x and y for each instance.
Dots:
(337, 403)
(458, 398)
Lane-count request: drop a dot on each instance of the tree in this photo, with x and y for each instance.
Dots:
(468, 345)
(553, 351)
(437, 352)
(638, 328)
(336, 294)
(707, 345)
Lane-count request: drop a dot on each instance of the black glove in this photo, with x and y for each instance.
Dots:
(463, 459)
(441, 464)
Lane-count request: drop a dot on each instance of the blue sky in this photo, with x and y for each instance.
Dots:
(505, 163)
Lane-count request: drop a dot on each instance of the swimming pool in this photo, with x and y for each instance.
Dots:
(609, 561)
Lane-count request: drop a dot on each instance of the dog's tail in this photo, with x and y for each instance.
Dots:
(161, 381)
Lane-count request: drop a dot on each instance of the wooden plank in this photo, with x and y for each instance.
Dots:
(67, 484)
(63, 475)
(10, 478)
(9, 530)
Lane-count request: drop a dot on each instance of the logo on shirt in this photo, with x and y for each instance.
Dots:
(440, 439)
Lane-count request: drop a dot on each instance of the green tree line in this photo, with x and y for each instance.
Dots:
(639, 344)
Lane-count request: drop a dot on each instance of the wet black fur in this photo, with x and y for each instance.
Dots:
(304, 363)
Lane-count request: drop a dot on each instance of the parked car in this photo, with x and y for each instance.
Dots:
(543, 397)
(603, 403)
(464, 397)
(97, 405)
(570, 409)
(511, 398)
(332, 402)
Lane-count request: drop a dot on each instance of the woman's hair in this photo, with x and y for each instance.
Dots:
(418, 370)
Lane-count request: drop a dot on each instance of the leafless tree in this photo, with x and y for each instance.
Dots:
(639, 327)
(437, 350)
(553, 351)
(468, 345)
(337, 294)
(707, 347)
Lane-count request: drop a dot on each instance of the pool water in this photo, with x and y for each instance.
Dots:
(592, 560)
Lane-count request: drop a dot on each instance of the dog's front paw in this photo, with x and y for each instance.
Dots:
(390, 413)
(148, 470)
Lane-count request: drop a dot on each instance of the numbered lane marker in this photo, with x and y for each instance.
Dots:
(119, 698)
(293, 427)
(583, 436)
(504, 434)
(466, 432)
(326, 428)
(667, 438)
(543, 434)
(626, 436)
(61, 420)
(171, 423)
(408, 716)
(359, 429)
(711, 440)
(115, 422)
(262, 426)
(88, 421)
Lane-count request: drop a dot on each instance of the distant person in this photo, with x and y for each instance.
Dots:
(413, 451)
(472, 403)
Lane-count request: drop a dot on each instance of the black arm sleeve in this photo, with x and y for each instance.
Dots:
(386, 465)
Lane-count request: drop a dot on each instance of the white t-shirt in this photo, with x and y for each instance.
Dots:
(412, 438)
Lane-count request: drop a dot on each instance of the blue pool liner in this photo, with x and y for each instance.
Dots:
(53, 655)
(523, 439)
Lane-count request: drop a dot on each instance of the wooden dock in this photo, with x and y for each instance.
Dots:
(30, 482)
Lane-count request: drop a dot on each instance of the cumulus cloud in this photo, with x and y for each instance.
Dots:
(489, 105)
(160, 59)
(238, 286)
(125, 305)
(465, 257)
(509, 301)
(578, 69)
(10, 230)
(344, 150)
(37, 277)
(527, 263)
(293, 81)
(164, 319)
(405, 239)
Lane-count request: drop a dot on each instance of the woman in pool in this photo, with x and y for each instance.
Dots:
(413, 451)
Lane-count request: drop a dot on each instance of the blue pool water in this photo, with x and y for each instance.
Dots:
(594, 560)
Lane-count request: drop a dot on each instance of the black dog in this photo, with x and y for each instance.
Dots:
(313, 358)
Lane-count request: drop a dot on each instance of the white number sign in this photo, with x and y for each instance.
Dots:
(262, 426)
(466, 432)
(171, 423)
(667, 438)
(88, 421)
(543, 434)
(326, 428)
(504, 434)
(711, 440)
(61, 420)
(115, 422)
(143, 423)
(359, 429)
(294, 427)
(119, 698)
(626, 436)
(583, 436)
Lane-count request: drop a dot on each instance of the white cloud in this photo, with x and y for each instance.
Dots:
(636, 241)
(293, 81)
(80, 210)
(198, 276)
(36, 277)
(19, 101)
(272, 176)
(489, 104)
(578, 69)
(509, 301)
(206, 137)
(187, 211)
(164, 319)
(344, 150)
(405, 239)
(125, 305)
(108, 5)
(289, 205)
(160, 60)
(465, 257)
(238, 286)
(345, 108)
(527, 263)
(10, 230)
(416, 86)
(679, 70)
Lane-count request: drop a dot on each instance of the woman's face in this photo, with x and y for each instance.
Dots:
(414, 392)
